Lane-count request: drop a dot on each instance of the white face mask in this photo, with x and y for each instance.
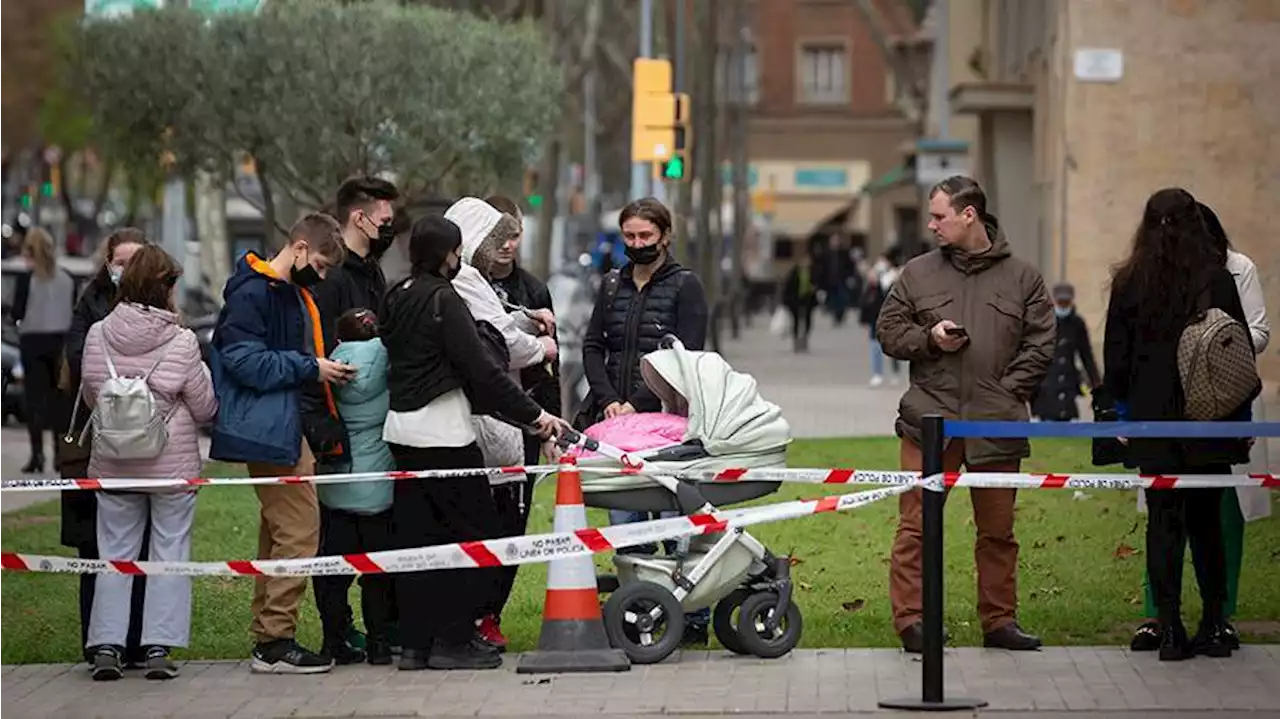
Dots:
(116, 273)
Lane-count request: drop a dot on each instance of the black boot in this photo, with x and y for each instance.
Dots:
(1212, 640)
(1174, 645)
(472, 654)
(35, 465)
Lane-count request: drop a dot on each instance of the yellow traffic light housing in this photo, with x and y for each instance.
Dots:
(652, 107)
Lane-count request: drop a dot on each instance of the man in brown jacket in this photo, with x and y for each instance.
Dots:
(977, 326)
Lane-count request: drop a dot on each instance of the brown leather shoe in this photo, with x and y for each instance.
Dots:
(1011, 637)
(913, 638)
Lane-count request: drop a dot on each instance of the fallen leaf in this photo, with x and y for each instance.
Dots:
(854, 606)
(1124, 551)
(1137, 599)
(805, 586)
(1078, 495)
(1037, 544)
(795, 560)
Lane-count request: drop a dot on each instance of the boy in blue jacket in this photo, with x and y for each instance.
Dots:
(268, 348)
(356, 517)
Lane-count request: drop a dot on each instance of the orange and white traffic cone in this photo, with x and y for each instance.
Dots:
(573, 637)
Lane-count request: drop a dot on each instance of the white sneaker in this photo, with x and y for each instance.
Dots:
(877, 380)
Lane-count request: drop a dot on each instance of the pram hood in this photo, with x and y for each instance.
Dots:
(725, 410)
(729, 425)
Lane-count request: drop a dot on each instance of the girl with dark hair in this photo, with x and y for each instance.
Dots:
(1174, 271)
(1239, 504)
(440, 373)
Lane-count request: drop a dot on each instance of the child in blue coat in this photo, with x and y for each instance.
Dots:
(355, 517)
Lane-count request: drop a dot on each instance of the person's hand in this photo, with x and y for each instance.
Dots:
(335, 372)
(551, 352)
(549, 425)
(944, 341)
(545, 319)
(617, 409)
(552, 452)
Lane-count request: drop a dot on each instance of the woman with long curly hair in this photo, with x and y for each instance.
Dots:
(1174, 272)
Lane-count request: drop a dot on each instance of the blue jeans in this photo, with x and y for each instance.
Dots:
(878, 357)
(699, 619)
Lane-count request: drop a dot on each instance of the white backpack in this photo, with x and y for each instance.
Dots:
(127, 422)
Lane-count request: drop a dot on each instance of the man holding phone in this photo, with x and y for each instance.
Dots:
(978, 328)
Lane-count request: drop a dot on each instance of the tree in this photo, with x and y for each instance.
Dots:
(313, 92)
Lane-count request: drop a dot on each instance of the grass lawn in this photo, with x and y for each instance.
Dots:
(1080, 577)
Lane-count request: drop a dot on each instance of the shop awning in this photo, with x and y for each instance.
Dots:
(895, 178)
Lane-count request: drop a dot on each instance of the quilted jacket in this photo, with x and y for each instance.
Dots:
(136, 336)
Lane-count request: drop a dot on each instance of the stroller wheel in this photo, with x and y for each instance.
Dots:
(645, 621)
(756, 639)
(724, 621)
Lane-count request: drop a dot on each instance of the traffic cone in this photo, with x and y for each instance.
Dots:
(573, 637)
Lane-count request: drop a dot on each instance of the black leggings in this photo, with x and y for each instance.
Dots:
(515, 521)
(41, 359)
(344, 532)
(442, 605)
(1173, 517)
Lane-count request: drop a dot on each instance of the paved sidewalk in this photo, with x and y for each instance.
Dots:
(1075, 679)
(825, 392)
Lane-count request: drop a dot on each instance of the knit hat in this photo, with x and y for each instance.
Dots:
(481, 225)
(431, 239)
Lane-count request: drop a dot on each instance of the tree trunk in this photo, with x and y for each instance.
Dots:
(738, 133)
(548, 181)
(706, 170)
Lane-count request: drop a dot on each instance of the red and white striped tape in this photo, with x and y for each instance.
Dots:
(1104, 481)
(497, 475)
(509, 551)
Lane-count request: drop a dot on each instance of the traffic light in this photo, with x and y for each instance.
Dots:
(676, 168)
(652, 108)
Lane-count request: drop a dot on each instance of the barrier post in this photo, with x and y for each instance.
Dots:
(932, 447)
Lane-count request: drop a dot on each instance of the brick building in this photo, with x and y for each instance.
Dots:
(822, 125)
(1077, 111)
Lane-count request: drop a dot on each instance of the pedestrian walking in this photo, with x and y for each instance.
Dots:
(142, 340)
(879, 281)
(1056, 401)
(977, 327)
(42, 305)
(800, 297)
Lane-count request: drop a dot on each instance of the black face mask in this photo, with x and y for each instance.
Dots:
(643, 255)
(305, 276)
(452, 272)
(380, 244)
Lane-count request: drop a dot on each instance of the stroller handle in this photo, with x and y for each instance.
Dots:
(568, 437)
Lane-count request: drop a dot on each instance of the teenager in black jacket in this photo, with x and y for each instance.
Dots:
(1173, 271)
(440, 374)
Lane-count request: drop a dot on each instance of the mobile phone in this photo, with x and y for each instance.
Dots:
(956, 332)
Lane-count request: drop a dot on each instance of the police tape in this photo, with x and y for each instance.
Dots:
(496, 475)
(508, 551)
(1003, 480)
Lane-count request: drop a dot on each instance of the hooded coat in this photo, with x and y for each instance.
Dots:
(484, 227)
(136, 337)
(1002, 302)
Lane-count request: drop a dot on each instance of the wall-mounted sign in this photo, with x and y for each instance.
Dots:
(1099, 64)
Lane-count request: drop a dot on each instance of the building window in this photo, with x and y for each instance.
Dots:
(824, 73)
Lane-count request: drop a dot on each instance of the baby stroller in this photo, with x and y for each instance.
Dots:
(729, 426)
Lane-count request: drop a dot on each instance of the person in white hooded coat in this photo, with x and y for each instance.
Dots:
(484, 229)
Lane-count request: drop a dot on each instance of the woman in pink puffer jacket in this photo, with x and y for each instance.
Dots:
(142, 334)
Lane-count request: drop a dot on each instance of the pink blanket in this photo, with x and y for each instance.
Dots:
(634, 432)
